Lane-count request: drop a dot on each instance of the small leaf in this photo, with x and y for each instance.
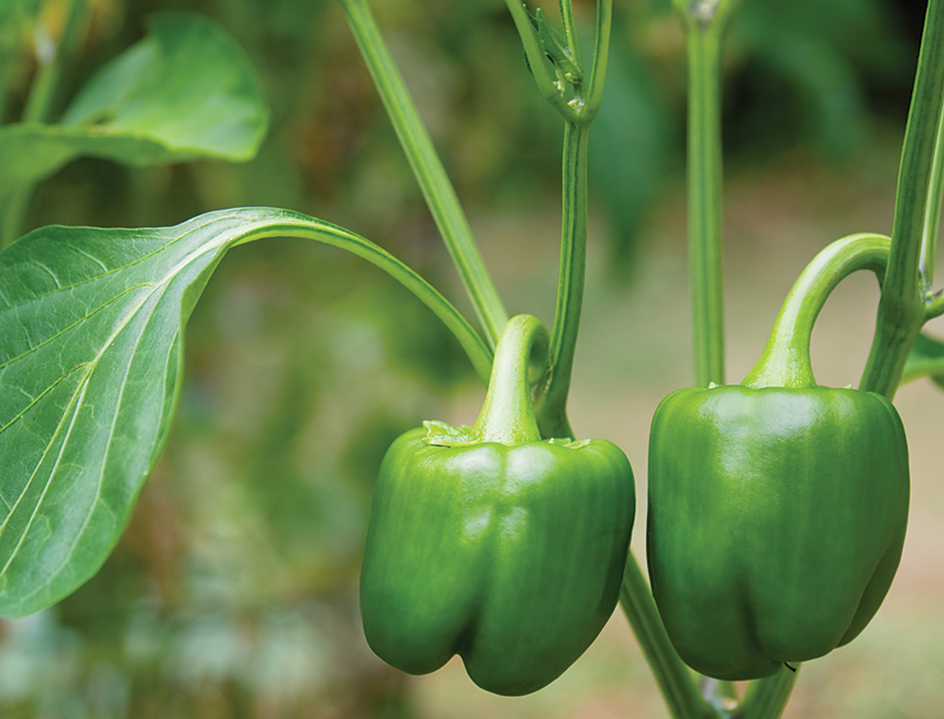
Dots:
(926, 360)
(569, 443)
(184, 92)
(554, 44)
(91, 327)
(441, 434)
(537, 59)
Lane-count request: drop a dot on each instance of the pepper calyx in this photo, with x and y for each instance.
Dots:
(442, 434)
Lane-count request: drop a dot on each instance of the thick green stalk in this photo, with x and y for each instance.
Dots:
(674, 678)
(704, 202)
(704, 32)
(551, 402)
(437, 190)
(577, 98)
(785, 361)
(904, 306)
(766, 698)
(705, 24)
(932, 215)
(507, 415)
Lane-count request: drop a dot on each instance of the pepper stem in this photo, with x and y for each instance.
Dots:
(786, 358)
(520, 362)
(906, 289)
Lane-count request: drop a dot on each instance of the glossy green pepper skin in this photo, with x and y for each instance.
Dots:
(509, 555)
(494, 544)
(777, 507)
(776, 521)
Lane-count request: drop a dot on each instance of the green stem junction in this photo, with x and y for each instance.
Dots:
(907, 300)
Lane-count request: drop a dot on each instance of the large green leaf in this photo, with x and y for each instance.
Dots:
(91, 322)
(184, 92)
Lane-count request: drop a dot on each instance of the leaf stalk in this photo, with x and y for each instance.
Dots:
(428, 169)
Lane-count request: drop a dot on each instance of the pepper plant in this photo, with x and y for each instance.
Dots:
(506, 541)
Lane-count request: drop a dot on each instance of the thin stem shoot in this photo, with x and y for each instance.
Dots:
(437, 189)
(551, 402)
(705, 203)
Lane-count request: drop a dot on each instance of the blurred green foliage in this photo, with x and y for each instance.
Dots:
(233, 593)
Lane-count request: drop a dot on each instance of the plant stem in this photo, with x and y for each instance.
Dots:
(933, 211)
(42, 94)
(766, 698)
(293, 224)
(39, 104)
(437, 190)
(551, 401)
(720, 694)
(704, 201)
(675, 679)
(601, 51)
(507, 414)
(570, 28)
(785, 361)
(903, 308)
(578, 113)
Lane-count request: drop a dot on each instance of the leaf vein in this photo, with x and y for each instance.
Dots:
(76, 403)
(108, 444)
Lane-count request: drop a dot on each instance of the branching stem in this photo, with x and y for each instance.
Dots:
(907, 302)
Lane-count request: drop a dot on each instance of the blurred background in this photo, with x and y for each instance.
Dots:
(234, 590)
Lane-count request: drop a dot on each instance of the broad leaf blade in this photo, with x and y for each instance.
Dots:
(184, 92)
(91, 322)
(187, 85)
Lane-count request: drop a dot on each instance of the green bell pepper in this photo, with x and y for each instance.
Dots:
(494, 544)
(777, 508)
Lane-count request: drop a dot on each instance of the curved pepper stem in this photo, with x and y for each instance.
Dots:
(520, 361)
(786, 358)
